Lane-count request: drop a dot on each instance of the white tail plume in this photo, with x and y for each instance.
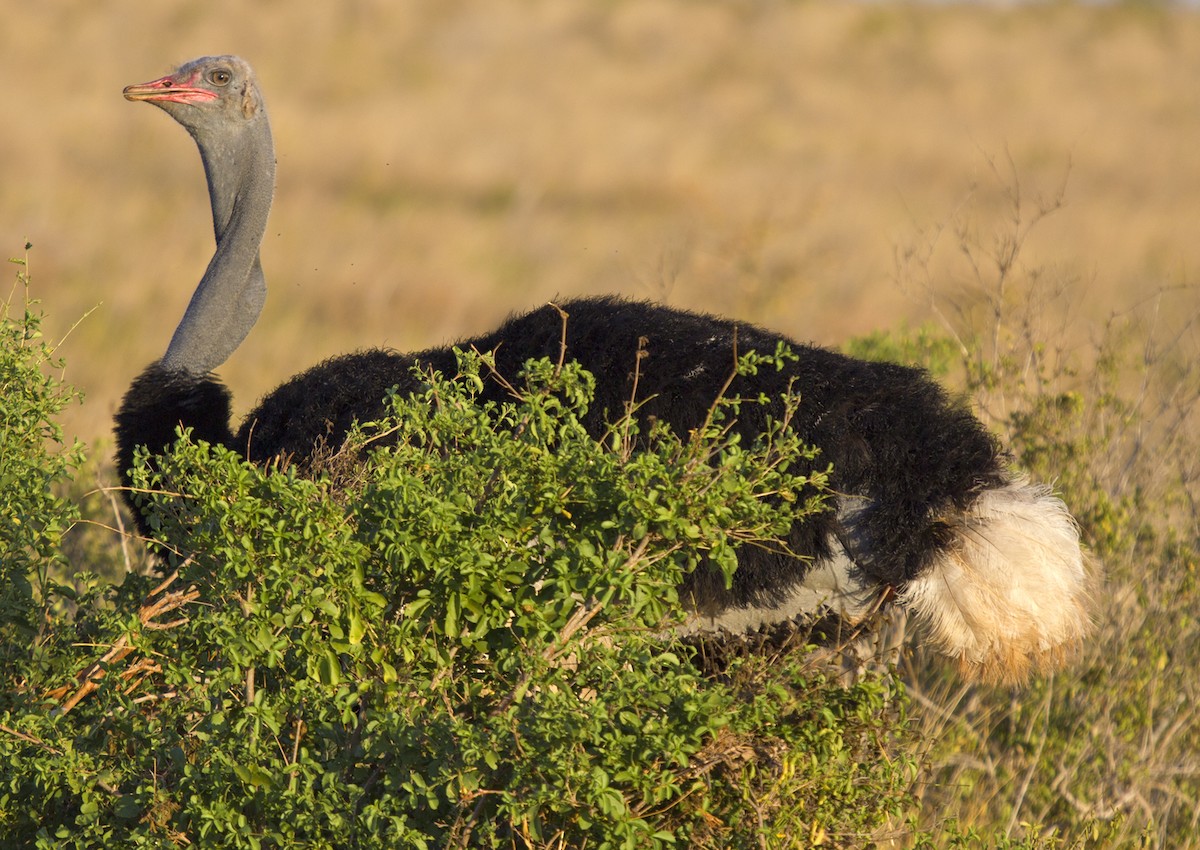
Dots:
(1013, 594)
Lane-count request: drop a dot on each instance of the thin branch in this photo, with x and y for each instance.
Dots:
(30, 739)
(91, 676)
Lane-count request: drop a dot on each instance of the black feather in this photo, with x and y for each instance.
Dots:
(892, 434)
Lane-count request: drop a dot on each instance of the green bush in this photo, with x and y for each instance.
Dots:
(462, 640)
(34, 458)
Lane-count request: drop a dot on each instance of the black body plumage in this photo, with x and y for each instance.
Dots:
(892, 434)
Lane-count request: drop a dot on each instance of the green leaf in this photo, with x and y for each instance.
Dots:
(357, 628)
(254, 775)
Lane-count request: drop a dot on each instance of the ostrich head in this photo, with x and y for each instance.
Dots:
(217, 99)
(213, 94)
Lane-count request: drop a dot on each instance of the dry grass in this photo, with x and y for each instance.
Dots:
(444, 163)
(1107, 752)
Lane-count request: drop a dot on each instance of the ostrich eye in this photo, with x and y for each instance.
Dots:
(220, 77)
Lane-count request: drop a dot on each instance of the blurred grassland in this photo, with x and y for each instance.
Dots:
(444, 163)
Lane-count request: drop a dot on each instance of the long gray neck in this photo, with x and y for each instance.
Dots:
(241, 180)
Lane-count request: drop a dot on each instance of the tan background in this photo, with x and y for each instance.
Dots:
(444, 163)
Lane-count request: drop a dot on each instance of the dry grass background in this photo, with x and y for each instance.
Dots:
(444, 163)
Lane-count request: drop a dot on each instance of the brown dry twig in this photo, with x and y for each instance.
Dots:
(148, 615)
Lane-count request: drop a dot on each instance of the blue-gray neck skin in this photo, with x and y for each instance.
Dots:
(239, 163)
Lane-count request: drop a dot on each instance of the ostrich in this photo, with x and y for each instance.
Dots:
(927, 512)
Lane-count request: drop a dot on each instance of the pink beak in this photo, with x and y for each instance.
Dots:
(168, 89)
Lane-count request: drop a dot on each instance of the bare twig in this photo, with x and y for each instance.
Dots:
(29, 739)
(91, 676)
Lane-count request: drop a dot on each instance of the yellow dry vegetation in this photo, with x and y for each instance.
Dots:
(444, 163)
